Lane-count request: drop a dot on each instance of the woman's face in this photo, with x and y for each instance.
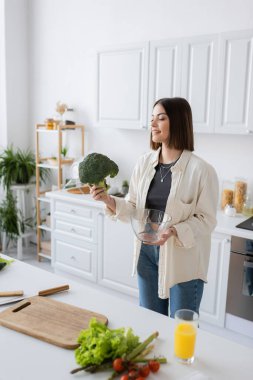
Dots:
(160, 125)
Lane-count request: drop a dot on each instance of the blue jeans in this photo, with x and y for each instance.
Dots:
(185, 295)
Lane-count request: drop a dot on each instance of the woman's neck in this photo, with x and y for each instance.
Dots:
(169, 155)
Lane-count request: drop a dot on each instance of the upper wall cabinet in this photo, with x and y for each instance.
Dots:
(234, 111)
(186, 68)
(199, 76)
(122, 80)
(164, 70)
(214, 73)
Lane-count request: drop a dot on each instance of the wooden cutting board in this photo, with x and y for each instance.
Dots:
(49, 320)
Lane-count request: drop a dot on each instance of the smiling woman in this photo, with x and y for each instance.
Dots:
(172, 270)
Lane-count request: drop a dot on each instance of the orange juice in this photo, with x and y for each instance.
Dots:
(185, 338)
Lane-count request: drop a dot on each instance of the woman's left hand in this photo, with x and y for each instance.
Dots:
(165, 236)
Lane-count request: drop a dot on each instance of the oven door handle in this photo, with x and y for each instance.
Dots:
(248, 264)
(247, 288)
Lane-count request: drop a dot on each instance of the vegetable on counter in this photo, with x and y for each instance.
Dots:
(120, 350)
(4, 263)
(95, 168)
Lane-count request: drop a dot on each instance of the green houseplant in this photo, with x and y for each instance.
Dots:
(11, 220)
(125, 187)
(16, 168)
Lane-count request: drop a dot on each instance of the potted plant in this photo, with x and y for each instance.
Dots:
(16, 168)
(64, 151)
(125, 187)
(11, 220)
(52, 161)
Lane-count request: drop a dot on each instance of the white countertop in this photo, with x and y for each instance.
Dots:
(26, 358)
(225, 224)
(85, 199)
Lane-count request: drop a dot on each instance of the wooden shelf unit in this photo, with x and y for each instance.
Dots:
(42, 163)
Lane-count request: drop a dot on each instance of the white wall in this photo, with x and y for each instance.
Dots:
(14, 87)
(63, 38)
(3, 121)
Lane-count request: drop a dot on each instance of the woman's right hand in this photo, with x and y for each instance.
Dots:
(100, 194)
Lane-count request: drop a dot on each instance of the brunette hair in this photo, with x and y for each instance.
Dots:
(181, 127)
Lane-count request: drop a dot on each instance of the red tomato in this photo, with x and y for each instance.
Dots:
(124, 377)
(140, 378)
(144, 371)
(132, 374)
(118, 365)
(154, 365)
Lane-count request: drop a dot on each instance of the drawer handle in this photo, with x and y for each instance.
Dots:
(73, 258)
(73, 211)
(73, 230)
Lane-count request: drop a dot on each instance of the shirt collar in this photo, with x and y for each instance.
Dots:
(179, 165)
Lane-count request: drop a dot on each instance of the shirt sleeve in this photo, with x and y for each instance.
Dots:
(124, 206)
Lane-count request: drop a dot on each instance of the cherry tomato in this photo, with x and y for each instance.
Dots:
(140, 378)
(144, 371)
(118, 365)
(132, 374)
(154, 365)
(124, 377)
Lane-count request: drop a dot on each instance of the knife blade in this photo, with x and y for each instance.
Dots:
(42, 293)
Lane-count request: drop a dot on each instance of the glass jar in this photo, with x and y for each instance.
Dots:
(227, 194)
(239, 194)
(69, 117)
(50, 123)
(247, 209)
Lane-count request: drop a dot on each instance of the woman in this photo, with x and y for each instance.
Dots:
(170, 178)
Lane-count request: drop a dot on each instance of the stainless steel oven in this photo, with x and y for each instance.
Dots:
(240, 280)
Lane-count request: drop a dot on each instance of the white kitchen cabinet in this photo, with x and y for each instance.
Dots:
(89, 245)
(234, 111)
(116, 257)
(122, 80)
(186, 68)
(164, 70)
(75, 237)
(214, 73)
(199, 77)
(213, 304)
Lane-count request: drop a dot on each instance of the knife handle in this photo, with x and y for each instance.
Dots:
(11, 293)
(58, 289)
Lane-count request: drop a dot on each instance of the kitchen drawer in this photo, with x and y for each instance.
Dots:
(68, 209)
(73, 239)
(74, 256)
(79, 259)
(85, 232)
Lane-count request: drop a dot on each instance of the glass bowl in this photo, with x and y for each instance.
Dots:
(149, 224)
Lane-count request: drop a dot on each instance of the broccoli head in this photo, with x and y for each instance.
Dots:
(95, 168)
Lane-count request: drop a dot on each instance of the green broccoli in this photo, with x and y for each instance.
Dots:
(95, 168)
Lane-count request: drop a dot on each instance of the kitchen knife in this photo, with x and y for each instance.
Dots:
(20, 296)
(12, 293)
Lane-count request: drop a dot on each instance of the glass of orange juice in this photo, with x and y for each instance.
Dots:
(185, 335)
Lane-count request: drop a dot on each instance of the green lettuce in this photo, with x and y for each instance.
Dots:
(4, 263)
(98, 343)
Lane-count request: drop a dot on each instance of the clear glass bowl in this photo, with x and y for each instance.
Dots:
(149, 224)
